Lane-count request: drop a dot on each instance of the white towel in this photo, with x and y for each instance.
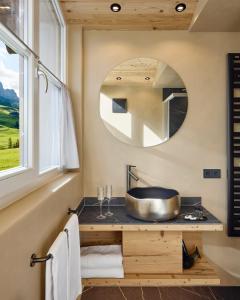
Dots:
(74, 266)
(96, 257)
(103, 273)
(56, 285)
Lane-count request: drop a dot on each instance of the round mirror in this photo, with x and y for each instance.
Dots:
(143, 102)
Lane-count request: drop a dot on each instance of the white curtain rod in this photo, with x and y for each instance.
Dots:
(51, 73)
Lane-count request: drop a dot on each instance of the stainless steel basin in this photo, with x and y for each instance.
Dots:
(153, 203)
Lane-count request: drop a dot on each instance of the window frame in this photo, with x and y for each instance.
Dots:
(16, 184)
(25, 131)
(50, 76)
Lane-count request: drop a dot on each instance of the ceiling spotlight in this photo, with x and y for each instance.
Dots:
(115, 7)
(180, 7)
(119, 78)
(5, 7)
(147, 78)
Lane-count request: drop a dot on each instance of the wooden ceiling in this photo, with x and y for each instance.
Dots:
(134, 15)
(135, 71)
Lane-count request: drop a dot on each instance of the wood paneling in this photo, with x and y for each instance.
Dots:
(161, 264)
(193, 239)
(101, 238)
(151, 227)
(202, 273)
(134, 71)
(135, 14)
(152, 252)
(152, 243)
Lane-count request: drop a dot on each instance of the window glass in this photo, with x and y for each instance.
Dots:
(49, 125)
(11, 15)
(50, 37)
(11, 103)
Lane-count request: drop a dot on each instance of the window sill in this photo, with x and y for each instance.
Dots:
(53, 169)
(13, 172)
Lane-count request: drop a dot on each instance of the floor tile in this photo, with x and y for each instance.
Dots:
(105, 293)
(132, 293)
(226, 293)
(149, 293)
(185, 293)
(161, 293)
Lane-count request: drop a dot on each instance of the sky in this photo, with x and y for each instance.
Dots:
(9, 69)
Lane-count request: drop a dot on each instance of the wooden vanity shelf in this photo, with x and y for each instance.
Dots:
(202, 273)
(153, 258)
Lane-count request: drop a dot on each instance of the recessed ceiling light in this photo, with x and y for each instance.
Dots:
(5, 7)
(147, 78)
(115, 7)
(180, 7)
(119, 78)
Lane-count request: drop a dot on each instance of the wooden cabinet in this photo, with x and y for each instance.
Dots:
(152, 252)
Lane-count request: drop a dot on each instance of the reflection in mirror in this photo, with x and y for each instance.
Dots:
(143, 102)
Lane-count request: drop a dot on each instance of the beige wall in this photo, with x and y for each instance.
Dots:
(143, 123)
(31, 225)
(200, 60)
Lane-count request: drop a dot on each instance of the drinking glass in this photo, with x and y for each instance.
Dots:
(100, 197)
(108, 197)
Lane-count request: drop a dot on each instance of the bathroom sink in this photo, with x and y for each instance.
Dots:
(153, 203)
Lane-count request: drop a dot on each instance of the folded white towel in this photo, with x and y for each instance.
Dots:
(74, 271)
(56, 285)
(103, 273)
(96, 257)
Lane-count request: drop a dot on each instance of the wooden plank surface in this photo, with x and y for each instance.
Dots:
(201, 274)
(135, 14)
(142, 243)
(91, 238)
(161, 264)
(193, 239)
(151, 227)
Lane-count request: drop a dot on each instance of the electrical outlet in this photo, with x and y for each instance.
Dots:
(211, 173)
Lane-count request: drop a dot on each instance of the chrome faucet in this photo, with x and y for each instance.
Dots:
(130, 175)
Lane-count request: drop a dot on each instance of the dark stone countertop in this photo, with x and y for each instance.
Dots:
(88, 210)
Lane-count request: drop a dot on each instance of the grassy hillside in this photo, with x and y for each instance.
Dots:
(5, 134)
(9, 116)
(9, 158)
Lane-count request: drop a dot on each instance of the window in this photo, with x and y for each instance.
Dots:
(29, 117)
(50, 37)
(12, 16)
(13, 86)
(50, 40)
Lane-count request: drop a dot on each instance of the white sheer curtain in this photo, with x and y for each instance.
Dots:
(69, 150)
(49, 126)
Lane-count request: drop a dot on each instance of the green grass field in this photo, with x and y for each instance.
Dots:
(5, 134)
(9, 158)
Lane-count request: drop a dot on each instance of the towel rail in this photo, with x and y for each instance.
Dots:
(34, 259)
(72, 211)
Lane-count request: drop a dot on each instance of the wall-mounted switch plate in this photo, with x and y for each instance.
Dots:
(211, 173)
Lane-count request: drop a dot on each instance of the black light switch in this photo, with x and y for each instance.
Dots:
(211, 173)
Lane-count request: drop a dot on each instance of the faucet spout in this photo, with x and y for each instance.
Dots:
(133, 176)
(130, 176)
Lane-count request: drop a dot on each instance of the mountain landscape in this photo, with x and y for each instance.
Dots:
(9, 128)
(8, 97)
